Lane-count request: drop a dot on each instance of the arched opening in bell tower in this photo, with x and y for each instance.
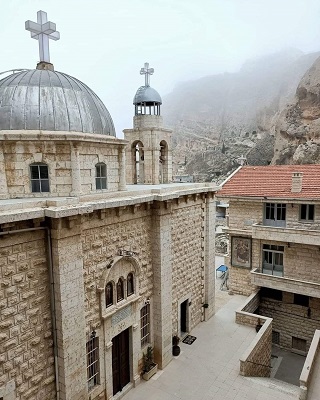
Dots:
(138, 162)
(163, 162)
(147, 108)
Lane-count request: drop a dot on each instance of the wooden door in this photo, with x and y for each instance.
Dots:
(120, 361)
(183, 316)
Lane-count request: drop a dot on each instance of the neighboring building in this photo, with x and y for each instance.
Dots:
(274, 229)
(222, 211)
(182, 178)
(92, 271)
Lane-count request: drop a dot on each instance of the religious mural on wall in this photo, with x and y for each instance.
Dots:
(241, 252)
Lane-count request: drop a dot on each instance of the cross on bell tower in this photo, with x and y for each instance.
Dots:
(146, 71)
(43, 30)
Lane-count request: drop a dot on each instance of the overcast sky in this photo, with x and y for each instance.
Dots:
(105, 43)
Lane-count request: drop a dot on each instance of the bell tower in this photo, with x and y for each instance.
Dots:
(148, 154)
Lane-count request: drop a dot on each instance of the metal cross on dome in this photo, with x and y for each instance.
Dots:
(43, 30)
(146, 71)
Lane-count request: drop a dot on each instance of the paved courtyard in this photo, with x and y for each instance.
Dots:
(209, 368)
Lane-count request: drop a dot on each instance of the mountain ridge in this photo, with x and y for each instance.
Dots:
(232, 113)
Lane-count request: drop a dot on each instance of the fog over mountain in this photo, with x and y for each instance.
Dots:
(218, 118)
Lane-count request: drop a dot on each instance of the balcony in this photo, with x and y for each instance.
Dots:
(286, 284)
(281, 234)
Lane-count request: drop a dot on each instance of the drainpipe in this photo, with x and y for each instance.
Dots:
(52, 299)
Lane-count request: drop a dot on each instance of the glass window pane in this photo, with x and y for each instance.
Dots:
(281, 212)
(44, 172)
(45, 186)
(35, 186)
(98, 183)
(34, 172)
(311, 212)
(303, 211)
(109, 294)
(103, 183)
(268, 211)
(120, 291)
(271, 211)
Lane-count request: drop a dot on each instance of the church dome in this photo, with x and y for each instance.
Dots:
(51, 101)
(146, 94)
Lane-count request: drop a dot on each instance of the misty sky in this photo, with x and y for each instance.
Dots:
(105, 43)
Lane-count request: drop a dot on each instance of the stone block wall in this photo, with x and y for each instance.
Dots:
(293, 214)
(103, 234)
(89, 156)
(239, 279)
(26, 341)
(187, 225)
(309, 366)
(302, 262)
(71, 165)
(242, 214)
(149, 133)
(291, 319)
(256, 360)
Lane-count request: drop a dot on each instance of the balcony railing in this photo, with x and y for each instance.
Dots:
(258, 278)
(291, 235)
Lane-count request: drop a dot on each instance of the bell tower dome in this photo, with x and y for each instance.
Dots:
(149, 154)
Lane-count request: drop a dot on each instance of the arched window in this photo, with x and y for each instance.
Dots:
(109, 294)
(101, 176)
(138, 162)
(130, 286)
(39, 178)
(120, 291)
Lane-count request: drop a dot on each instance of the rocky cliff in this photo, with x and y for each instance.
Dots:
(298, 127)
(218, 118)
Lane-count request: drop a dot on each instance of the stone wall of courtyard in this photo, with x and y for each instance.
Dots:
(292, 320)
(256, 360)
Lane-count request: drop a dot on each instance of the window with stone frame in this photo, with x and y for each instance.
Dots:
(275, 214)
(109, 294)
(39, 175)
(93, 370)
(145, 324)
(272, 259)
(130, 284)
(101, 176)
(120, 290)
(306, 212)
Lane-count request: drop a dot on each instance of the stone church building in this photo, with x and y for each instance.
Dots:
(101, 255)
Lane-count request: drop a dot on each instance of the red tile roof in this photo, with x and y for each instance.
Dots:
(273, 181)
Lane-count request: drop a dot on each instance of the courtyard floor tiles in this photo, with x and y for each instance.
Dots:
(209, 368)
